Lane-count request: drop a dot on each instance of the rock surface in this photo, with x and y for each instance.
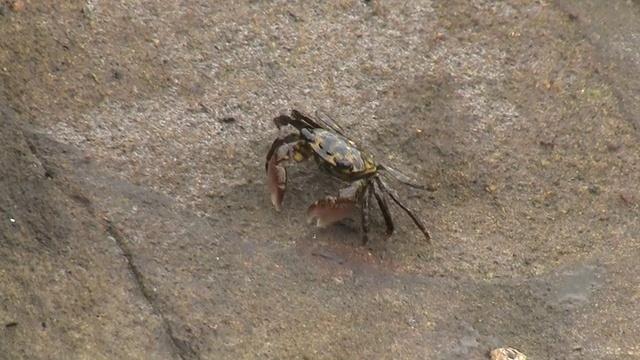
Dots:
(135, 221)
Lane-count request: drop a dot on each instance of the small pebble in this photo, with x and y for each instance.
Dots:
(507, 354)
(17, 5)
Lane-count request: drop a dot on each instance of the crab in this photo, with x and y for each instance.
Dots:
(324, 140)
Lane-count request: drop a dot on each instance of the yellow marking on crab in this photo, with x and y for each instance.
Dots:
(370, 166)
(298, 157)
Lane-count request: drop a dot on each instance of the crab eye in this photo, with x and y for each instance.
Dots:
(308, 135)
(344, 164)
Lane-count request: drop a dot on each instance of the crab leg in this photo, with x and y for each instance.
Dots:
(331, 208)
(382, 203)
(365, 213)
(404, 178)
(413, 217)
(299, 121)
(282, 150)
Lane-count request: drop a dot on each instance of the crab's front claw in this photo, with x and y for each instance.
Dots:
(277, 181)
(283, 151)
(330, 209)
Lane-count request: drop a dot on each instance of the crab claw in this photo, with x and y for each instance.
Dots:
(277, 182)
(329, 209)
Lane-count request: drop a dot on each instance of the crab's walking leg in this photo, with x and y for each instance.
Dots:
(331, 208)
(282, 150)
(366, 209)
(382, 203)
(404, 178)
(299, 121)
(395, 199)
